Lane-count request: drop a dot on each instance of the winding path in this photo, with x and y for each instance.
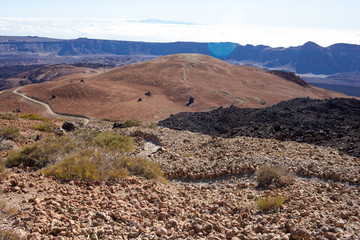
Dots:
(48, 108)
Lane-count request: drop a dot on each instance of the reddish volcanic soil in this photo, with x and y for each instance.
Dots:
(172, 80)
(10, 102)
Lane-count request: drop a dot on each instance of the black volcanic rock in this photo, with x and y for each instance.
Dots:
(69, 126)
(334, 122)
(290, 76)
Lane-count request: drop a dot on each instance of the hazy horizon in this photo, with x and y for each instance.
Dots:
(274, 23)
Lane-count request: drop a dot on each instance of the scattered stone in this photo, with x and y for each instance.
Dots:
(300, 234)
(340, 223)
(191, 101)
(117, 125)
(38, 137)
(336, 197)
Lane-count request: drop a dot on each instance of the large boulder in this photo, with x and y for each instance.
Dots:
(69, 126)
(118, 125)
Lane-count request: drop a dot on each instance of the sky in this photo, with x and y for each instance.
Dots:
(277, 23)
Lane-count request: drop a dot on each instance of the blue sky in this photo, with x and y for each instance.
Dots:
(274, 23)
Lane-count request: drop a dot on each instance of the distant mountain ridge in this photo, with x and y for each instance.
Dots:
(308, 58)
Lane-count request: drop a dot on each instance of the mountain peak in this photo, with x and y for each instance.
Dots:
(311, 44)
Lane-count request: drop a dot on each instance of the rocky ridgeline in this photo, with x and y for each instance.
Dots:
(334, 122)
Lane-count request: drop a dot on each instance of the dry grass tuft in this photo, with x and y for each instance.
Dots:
(277, 176)
(10, 133)
(269, 203)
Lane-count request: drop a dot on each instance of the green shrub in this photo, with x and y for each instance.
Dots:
(85, 137)
(39, 154)
(9, 132)
(87, 165)
(132, 123)
(33, 116)
(269, 203)
(46, 127)
(273, 175)
(73, 168)
(92, 165)
(114, 141)
(143, 167)
(8, 116)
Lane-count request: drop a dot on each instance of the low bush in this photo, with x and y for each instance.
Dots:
(269, 203)
(84, 137)
(88, 165)
(33, 116)
(273, 175)
(114, 141)
(46, 127)
(85, 155)
(132, 123)
(93, 165)
(73, 168)
(145, 168)
(8, 116)
(39, 154)
(10, 133)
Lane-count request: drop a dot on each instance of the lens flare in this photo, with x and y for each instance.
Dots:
(221, 49)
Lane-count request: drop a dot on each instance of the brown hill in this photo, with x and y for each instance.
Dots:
(171, 80)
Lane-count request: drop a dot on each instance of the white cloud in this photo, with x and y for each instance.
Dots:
(126, 29)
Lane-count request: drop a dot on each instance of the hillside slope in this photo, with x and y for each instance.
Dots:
(172, 81)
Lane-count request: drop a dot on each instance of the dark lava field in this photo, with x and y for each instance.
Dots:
(333, 122)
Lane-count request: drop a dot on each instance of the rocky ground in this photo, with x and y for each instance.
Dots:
(334, 122)
(211, 193)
